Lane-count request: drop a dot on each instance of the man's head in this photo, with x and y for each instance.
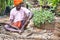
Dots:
(17, 4)
(18, 7)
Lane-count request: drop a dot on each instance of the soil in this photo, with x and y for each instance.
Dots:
(31, 33)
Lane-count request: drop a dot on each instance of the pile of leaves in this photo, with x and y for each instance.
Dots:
(42, 16)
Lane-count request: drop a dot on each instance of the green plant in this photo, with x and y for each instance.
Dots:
(4, 3)
(28, 3)
(41, 2)
(52, 3)
(42, 16)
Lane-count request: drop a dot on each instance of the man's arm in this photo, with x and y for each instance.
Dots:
(11, 16)
(30, 17)
(11, 20)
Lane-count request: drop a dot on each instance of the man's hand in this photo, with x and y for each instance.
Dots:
(9, 23)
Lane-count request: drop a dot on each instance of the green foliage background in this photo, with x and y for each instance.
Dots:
(4, 3)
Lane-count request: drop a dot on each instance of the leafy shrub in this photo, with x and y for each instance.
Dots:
(52, 3)
(42, 16)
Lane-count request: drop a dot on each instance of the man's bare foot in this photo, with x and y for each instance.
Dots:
(22, 30)
(19, 31)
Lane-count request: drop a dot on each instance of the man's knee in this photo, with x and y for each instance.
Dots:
(6, 26)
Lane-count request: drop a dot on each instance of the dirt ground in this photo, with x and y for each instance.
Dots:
(30, 33)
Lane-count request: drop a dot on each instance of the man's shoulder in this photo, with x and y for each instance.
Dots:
(24, 8)
(13, 9)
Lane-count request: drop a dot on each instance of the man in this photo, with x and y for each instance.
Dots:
(19, 17)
